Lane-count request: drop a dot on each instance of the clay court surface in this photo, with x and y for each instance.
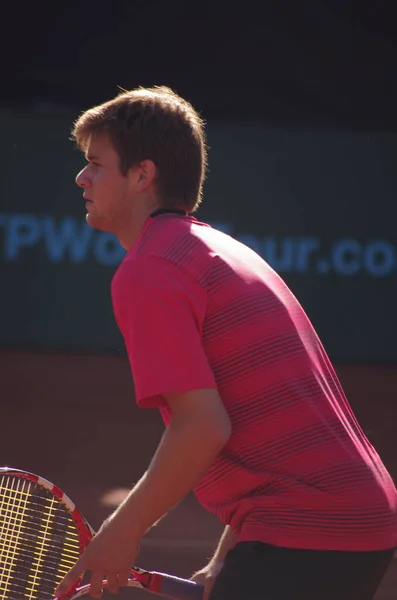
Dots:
(73, 419)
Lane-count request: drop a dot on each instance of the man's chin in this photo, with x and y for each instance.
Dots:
(97, 223)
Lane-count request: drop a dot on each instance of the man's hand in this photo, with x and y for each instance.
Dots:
(110, 555)
(207, 577)
(210, 572)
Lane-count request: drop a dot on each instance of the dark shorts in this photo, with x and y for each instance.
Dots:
(257, 571)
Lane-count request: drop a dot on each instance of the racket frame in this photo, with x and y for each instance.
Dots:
(148, 580)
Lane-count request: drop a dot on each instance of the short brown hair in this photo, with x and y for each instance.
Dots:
(156, 124)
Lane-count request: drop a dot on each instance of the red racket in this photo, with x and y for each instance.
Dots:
(42, 534)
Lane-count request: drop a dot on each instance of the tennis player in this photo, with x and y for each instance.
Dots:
(257, 423)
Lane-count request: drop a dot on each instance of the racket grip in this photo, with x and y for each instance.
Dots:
(180, 589)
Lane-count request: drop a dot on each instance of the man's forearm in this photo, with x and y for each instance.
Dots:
(185, 452)
(226, 543)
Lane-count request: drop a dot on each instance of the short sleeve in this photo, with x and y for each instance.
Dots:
(160, 311)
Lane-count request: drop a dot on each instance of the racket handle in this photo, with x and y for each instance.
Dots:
(180, 589)
(165, 585)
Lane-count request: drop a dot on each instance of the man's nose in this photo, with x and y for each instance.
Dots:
(82, 179)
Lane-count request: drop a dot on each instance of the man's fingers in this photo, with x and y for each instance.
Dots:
(123, 577)
(199, 577)
(96, 584)
(113, 583)
(205, 580)
(70, 578)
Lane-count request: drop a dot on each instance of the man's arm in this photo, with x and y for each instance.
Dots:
(198, 430)
(208, 574)
(226, 543)
(211, 570)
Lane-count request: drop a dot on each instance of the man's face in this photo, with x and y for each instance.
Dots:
(106, 189)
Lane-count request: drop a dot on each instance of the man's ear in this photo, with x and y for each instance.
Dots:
(145, 174)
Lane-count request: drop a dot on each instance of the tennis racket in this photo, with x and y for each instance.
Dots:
(42, 534)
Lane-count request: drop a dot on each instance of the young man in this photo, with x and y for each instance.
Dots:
(257, 423)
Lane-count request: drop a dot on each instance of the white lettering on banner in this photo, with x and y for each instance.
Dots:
(346, 257)
(279, 253)
(107, 249)
(63, 239)
(67, 236)
(306, 247)
(71, 239)
(379, 258)
(23, 231)
(285, 255)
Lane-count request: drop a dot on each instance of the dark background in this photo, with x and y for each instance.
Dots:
(300, 100)
(312, 62)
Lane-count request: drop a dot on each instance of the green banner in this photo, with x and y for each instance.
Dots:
(317, 205)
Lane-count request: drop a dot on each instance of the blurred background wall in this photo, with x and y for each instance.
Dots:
(300, 103)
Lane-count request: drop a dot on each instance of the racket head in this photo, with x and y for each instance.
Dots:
(42, 534)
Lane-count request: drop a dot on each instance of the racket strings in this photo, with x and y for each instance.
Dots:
(39, 541)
